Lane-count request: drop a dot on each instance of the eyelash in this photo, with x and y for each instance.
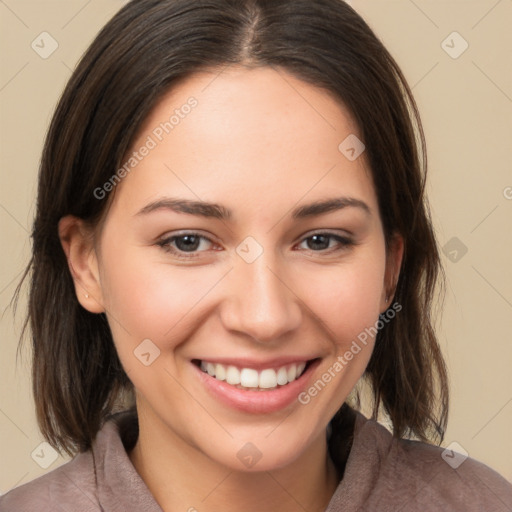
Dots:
(165, 244)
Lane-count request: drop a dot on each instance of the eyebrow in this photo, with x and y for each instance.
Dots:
(217, 211)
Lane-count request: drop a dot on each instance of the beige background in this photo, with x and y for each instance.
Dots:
(466, 104)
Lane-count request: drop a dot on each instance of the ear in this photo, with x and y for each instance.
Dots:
(394, 257)
(78, 243)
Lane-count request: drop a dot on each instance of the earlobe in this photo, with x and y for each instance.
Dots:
(77, 242)
(393, 264)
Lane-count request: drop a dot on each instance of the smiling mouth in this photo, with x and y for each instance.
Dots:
(250, 379)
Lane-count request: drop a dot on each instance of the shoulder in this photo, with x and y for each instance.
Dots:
(76, 485)
(446, 477)
(412, 475)
(72, 483)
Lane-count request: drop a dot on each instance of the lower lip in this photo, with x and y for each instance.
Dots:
(257, 402)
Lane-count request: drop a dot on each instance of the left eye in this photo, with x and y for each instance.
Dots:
(187, 244)
(323, 240)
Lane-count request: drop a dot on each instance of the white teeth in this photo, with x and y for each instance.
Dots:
(210, 368)
(250, 378)
(282, 376)
(268, 379)
(233, 375)
(220, 372)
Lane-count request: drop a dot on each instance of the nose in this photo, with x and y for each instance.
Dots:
(261, 302)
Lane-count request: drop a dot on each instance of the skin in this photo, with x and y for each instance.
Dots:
(260, 142)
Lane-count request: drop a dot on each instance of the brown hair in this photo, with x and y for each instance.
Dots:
(137, 57)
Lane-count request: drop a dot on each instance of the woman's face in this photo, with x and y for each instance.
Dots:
(256, 286)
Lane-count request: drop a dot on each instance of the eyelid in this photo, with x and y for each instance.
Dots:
(187, 232)
(210, 238)
(335, 232)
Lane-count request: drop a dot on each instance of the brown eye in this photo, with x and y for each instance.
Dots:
(185, 245)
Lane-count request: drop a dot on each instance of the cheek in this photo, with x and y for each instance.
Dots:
(348, 298)
(149, 299)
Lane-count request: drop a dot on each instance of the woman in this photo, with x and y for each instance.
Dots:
(231, 232)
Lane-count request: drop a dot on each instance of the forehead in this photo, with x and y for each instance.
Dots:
(239, 133)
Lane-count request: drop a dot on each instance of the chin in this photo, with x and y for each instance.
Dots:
(277, 448)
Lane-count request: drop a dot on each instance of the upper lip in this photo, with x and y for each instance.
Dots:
(243, 362)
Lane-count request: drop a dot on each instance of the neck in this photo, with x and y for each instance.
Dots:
(180, 477)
